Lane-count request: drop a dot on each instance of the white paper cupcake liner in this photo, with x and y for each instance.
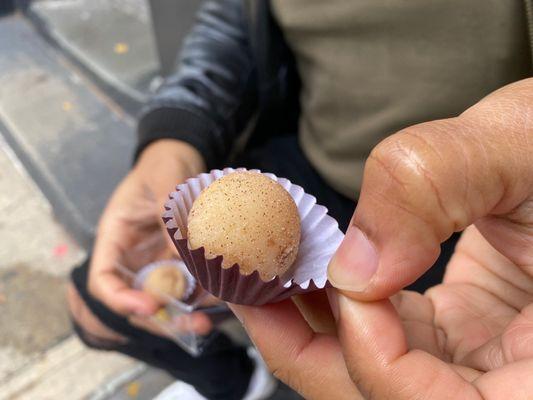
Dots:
(320, 238)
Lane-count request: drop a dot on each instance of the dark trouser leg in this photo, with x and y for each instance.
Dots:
(222, 372)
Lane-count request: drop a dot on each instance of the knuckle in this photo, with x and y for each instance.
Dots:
(361, 383)
(371, 386)
(493, 357)
(284, 369)
(412, 170)
(279, 372)
(385, 161)
(396, 169)
(405, 158)
(285, 375)
(97, 288)
(94, 288)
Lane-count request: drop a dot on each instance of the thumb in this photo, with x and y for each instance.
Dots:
(424, 183)
(161, 166)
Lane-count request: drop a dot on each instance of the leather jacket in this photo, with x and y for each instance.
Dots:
(235, 71)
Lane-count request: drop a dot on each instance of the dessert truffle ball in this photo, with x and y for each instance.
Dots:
(249, 219)
(166, 279)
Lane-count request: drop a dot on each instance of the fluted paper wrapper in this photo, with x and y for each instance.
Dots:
(320, 238)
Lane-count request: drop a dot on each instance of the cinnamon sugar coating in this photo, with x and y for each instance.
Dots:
(250, 220)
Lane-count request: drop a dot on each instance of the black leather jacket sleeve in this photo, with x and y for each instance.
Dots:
(212, 95)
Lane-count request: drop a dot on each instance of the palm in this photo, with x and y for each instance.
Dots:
(477, 319)
(133, 215)
(130, 222)
(477, 326)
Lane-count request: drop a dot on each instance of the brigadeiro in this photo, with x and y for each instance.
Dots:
(166, 280)
(249, 220)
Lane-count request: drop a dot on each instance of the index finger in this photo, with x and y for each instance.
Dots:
(310, 363)
(109, 288)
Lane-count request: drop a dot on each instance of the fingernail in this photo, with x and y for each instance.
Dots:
(355, 262)
(333, 303)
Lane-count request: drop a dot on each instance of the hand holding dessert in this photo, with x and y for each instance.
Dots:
(251, 237)
(132, 215)
(249, 220)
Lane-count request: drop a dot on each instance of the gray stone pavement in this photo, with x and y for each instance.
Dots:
(59, 123)
(34, 256)
(76, 142)
(39, 357)
(112, 38)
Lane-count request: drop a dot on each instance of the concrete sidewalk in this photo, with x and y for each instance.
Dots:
(77, 144)
(39, 356)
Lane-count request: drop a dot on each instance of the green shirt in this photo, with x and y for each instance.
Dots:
(372, 67)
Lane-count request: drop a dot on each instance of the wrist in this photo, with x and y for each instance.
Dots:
(171, 154)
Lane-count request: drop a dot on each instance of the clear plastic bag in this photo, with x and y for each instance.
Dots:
(177, 318)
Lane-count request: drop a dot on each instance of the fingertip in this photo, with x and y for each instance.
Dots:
(370, 331)
(355, 262)
(132, 302)
(143, 304)
(370, 340)
(396, 270)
